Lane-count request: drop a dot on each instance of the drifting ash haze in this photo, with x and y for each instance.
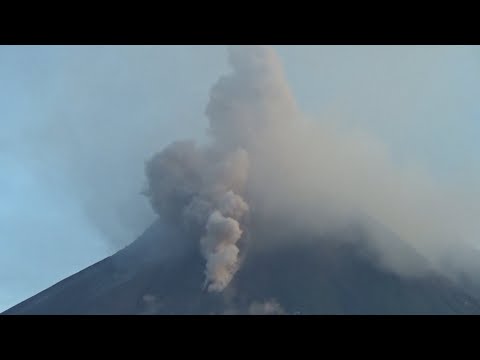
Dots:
(266, 159)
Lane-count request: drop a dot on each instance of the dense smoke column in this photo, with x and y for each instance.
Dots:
(250, 102)
(205, 186)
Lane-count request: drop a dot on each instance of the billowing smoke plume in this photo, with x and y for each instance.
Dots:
(203, 187)
(265, 157)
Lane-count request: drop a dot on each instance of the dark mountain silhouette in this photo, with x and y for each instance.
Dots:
(302, 274)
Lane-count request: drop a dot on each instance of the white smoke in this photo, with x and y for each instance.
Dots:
(232, 205)
(267, 156)
(151, 305)
(271, 307)
(268, 307)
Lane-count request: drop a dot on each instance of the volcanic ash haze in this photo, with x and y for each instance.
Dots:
(267, 160)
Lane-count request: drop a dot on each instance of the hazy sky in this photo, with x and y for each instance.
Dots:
(77, 124)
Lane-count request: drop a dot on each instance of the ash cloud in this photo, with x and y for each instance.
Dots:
(201, 187)
(267, 158)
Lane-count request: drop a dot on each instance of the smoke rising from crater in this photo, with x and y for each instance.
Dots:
(266, 157)
(205, 184)
(198, 184)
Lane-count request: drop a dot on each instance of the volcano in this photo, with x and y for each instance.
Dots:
(162, 272)
(269, 217)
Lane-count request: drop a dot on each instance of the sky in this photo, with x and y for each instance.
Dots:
(78, 123)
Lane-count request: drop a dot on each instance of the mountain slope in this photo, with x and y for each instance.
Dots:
(305, 275)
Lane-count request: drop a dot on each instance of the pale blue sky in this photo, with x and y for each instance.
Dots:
(78, 122)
